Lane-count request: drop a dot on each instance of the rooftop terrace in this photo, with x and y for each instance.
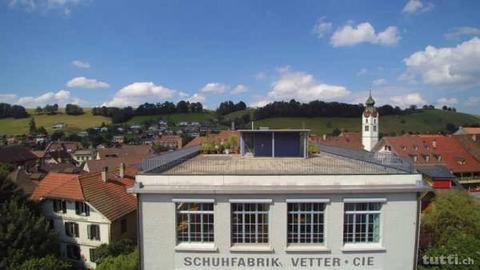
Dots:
(330, 161)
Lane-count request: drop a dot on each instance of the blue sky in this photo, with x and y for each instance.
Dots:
(121, 53)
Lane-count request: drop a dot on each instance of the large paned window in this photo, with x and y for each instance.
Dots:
(362, 222)
(73, 252)
(93, 232)
(71, 229)
(305, 222)
(194, 222)
(249, 223)
(59, 206)
(82, 208)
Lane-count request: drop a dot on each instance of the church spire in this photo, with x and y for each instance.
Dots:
(370, 101)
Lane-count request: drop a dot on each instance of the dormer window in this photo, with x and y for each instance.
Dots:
(415, 147)
(438, 157)
(404, 148)
(461, 161)
(414, 158)
(427, 158)
(388, 148)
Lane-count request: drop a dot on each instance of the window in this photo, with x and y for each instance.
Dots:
(73, 252)
(93, 258)
(93, 232)
(366, 128)
(366, 120)
(71, 229)
(82, 208)
(375, 128)
(194, 222)
(59, 206)
(374, 120)
(123, 225)
(249, 223)
(362, 222)
(305, 222)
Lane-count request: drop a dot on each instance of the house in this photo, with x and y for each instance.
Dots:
(68, 146)
(438, 150)
(88, 210)
(276, 206)
(59, 126)
(140, 151)
(472, 131)
(350, 140)
(81, 156)
(17, 155)
(170, 141)
(118, 139)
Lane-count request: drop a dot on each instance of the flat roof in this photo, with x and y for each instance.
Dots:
(320, 164)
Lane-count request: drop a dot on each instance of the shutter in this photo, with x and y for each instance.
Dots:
(64, 206)
(98, 232)
(66, 229)
(77, 208)
(87, 210)
(89, 232)
(76, 230)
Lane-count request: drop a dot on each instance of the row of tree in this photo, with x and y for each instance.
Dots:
(227, 107)
(15, 111)
(315, 108)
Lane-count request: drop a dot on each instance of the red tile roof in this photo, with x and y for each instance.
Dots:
(110, 198)
(16, 154)
(222, 136)
(140, 151)
(351, 140)
(471, 130)
(451, 151)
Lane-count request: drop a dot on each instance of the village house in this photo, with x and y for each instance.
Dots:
(169, 141)
(88, 210)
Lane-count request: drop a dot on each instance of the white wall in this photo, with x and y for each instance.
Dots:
(85, 244)
(395, 252)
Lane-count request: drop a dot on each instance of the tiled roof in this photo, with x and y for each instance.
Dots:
(16, 153)
(53, 184)
(111, 163)
(470, 130)
(63, 145)
(350, 140)
(110, 198)
(141, 151)
(438, 149)
(472, 146)
(217, 138)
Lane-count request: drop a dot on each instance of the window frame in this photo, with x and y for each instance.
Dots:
(94, 236)
(59, 206)
(355, 212)
(267, 213)
(74, 233)
(323, 204)
(71, 247)
(82, 208)
(204, 239)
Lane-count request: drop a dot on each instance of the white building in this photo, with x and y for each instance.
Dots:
(370, 125)
(275, 207)
(84, 155)
(87, 211)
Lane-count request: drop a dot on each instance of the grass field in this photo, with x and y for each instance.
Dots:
(76, 123)
(429, 121)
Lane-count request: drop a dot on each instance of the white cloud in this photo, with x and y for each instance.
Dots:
(138, 93)
(80, 64)
(197, 98)
(322, 27)
(214, 87)
(8, 98)
(259, 103)
(65, 6)
(362, 71)
(82, 82)
(473, 102)
(446, 101)
(456, 66)
(458, 32)
(303, 87)
(239, 89)
(379, 82)
(260, 76)
(61, 97)
(183, 95)
(350, 35)
(416, 6)
(407, 100)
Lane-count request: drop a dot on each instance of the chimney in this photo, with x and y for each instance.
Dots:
(105, 174)
(434, 143)
(232, 127)
(122, 170)
(324, 137)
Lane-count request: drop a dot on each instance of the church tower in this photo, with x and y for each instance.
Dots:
(370, 124)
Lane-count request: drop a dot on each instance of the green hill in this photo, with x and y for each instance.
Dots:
(75, 123)
(423, 121)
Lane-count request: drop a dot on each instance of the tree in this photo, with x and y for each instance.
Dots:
(38, 110)
(32, 126)
(451, 127)
(18, 111)
(24, 233)
(182, 106)
(452, 225)
(72, 109)
(114, 249)
(121, 262)
(49, 262)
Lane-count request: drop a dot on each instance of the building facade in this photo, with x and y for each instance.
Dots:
(271, 211)
(87, 211)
